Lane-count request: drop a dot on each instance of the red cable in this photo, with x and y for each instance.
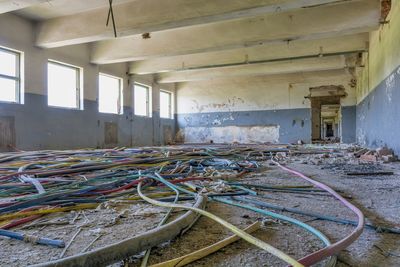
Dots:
(341, 244)
(20, 221)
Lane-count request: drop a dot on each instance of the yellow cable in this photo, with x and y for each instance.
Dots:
(164, 194)
(47, 211)
(249, 238)
(201, 253)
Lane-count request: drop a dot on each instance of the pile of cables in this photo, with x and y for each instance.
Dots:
(34, 184)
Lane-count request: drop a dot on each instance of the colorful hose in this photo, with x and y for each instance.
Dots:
(293, 221)
(261, 244)
(341, 244)
(32, 239)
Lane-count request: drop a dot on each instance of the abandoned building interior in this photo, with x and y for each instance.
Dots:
(200, 133)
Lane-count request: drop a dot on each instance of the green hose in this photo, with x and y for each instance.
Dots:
(147, 254)
(305, 226)
(249, 238)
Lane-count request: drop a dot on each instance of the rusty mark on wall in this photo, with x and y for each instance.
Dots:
(7, 133)
(231, 103)
(110, 133)
(168, 135)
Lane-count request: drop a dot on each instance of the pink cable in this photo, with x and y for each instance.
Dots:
(341, 244)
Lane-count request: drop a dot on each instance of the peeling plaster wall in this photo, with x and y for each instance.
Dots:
(232, 134)
(378, 89)
(38, 126)
(249, 102)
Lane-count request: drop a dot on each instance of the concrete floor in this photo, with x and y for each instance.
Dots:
(377, 197)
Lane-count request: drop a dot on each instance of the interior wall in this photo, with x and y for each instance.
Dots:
(251, 109)
(38, 126)
(378, 87)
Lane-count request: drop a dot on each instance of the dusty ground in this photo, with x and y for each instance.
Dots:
(378, 197)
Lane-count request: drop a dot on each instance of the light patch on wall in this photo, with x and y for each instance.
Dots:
(231, 134)
(390, 85)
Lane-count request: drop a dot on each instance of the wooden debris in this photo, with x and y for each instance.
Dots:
(370, 173)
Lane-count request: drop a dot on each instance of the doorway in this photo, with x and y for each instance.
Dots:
(326, 113)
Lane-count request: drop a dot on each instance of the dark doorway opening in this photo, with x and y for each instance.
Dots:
(326, 113)
(329, 130)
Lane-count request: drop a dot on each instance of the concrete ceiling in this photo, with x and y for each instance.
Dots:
(330, 111)
(267, 68)
(8, 6)
(139, 17)
(210, 39)
(40, 10)
(255, 54)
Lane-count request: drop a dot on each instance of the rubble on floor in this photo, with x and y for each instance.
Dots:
(80, 204)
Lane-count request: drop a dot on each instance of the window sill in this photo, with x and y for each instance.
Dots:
(111, 113)
(10, 102)
(67, 108)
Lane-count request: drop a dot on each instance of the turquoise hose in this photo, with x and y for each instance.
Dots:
(261, 244)
(305, 226)
(147, 254)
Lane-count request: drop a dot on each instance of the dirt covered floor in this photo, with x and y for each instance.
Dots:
(376, 195)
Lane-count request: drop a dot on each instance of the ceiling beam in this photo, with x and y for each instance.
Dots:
(312, 77)
(268, 68)
(140, 17)
(305, 24)
(297, 48)
(12, 5)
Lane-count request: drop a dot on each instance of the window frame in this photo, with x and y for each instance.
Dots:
(148, 99)
(79, 84)
(169, 104)
(19, 81)
(120, 101)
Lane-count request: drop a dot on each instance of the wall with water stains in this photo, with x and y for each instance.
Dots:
(276, 109)
(378, 88)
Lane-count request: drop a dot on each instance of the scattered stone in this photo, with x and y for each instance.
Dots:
(384, 151)
(388, 158)
(369, 157)
(300, 142)
(316, 161)
(325, 156)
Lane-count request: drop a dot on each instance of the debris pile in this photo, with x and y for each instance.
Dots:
(381, 154)
(96, 191)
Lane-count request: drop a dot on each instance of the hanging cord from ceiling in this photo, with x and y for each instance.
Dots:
(111, 14)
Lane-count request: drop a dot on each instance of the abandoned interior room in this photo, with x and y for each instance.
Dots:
(200, 133)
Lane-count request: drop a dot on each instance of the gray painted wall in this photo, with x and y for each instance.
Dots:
(38, 126)
(294, 123)
(378, 115)
(349, 124)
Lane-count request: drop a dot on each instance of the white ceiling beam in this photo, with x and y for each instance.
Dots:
(305, 24)
(269, 68)
(297, 48)
(139, 17)
(12, 5)
(312, 77)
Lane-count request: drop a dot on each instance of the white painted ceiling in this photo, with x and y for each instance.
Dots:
(57, 8)
(194, 40)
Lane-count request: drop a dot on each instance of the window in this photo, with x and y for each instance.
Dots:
(10, 76)
(110, 94)
(165, 105)
(141, 95)
(63, 85)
